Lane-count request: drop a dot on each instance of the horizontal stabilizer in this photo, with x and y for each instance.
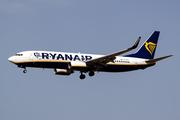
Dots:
(158, 59)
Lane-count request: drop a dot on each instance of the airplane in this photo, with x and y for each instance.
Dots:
(65, 63)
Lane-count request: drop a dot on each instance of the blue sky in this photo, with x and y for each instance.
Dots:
(98, 27)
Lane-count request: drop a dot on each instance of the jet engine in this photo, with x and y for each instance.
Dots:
(73, 65)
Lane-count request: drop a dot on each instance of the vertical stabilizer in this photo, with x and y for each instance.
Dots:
(147, 50)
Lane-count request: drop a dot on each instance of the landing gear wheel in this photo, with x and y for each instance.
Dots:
(91, 73)
(24, 71)
(82, 76)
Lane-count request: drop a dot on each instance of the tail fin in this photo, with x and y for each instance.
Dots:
(147, 50)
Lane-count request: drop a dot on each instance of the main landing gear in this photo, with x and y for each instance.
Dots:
(82, 76)
(91, 73)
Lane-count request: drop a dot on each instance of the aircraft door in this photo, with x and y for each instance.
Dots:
(31, 57)
(135, 63)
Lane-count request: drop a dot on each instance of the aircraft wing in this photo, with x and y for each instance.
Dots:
(110, 58)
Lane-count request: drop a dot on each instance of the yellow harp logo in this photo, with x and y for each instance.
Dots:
(150, 47)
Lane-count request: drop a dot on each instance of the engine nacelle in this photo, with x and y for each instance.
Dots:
(78, 65)
(62, 71)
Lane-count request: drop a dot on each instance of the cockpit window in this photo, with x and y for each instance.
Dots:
(19, 55)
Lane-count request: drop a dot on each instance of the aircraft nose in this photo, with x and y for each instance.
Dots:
(11, 59)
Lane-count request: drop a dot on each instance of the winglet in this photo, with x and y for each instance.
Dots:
(136, 44)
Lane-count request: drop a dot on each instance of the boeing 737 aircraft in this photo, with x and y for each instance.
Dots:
(65, 63)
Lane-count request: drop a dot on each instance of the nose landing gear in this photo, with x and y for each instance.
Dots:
(24, 71)
(21, 66)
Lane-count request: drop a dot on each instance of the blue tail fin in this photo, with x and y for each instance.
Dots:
(147, 50)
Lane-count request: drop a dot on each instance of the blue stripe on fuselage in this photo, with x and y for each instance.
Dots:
(64, 65)
(47, 64)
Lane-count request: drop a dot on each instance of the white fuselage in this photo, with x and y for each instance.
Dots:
(65, 63)
(49, 59)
